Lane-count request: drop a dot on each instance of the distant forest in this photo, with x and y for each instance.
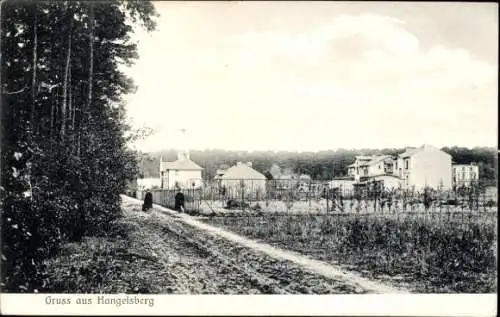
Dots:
(322, 165)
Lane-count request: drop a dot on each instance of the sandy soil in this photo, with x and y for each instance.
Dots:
(229, 263)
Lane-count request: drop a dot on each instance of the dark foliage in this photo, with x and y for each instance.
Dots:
(65, 159)
(320, 165)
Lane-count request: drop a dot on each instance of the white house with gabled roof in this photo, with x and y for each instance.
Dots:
(181, 173)
(424, 166)
(243, 176)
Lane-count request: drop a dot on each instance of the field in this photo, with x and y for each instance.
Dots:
(443, 252)
(448, 247)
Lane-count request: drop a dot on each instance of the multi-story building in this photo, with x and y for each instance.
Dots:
(465, 174)
(424, 166)
(368, 166)
(414, 168)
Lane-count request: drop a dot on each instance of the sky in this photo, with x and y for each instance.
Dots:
(311, 76)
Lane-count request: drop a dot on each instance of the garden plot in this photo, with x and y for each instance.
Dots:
(429, 252)
(319, 206)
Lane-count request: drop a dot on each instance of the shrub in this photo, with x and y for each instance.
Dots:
(236, 204)
(491, 203)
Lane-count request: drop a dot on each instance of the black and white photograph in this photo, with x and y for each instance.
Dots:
(248, 148)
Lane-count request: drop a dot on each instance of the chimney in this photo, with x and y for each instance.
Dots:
(182, 155)
(249, 164)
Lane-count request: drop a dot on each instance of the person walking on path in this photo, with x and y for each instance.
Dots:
(148, 201)
(179, 202)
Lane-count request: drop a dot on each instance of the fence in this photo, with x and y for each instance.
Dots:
(294, 196)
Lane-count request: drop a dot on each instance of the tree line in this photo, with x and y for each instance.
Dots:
(322, 165)
(64, 140)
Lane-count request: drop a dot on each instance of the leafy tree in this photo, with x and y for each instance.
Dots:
(65, 158)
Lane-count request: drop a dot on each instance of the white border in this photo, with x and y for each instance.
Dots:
(456, 305)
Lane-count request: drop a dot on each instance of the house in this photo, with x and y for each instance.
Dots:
(369, 168)
(344, 184)
(465, 174)
(304, 182)
(287, 181)
(304, 178)
(275, 171)
(219, 173)
(414, 168)
(389, 181)
(181, 173)
(366, 166)
(424, 166)
(491, 193)
(242, 177)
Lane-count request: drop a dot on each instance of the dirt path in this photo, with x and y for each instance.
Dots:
(341, 281)
(182, 259)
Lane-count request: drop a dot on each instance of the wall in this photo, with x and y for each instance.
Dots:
(389, 181)
(184, 178)
(345, 184)
(430, 167)
(376, 169)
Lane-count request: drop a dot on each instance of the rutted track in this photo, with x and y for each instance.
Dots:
(270, 276)
(206, 264)
(260, 281)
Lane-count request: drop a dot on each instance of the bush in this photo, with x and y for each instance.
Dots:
(491, 203)
(236, 204)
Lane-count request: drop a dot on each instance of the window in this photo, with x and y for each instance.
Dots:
(407, 164)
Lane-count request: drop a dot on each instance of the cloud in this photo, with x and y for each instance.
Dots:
(356, 73)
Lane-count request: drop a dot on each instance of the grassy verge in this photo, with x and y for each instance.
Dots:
(431, 255)
(111, 263)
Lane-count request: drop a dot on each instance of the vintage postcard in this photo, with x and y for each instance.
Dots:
(249, 158)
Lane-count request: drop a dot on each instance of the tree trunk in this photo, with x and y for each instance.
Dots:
(52, 117)
(65, 87)
(81, 199)
(34, 65)
(70, 99)
(91, 58)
